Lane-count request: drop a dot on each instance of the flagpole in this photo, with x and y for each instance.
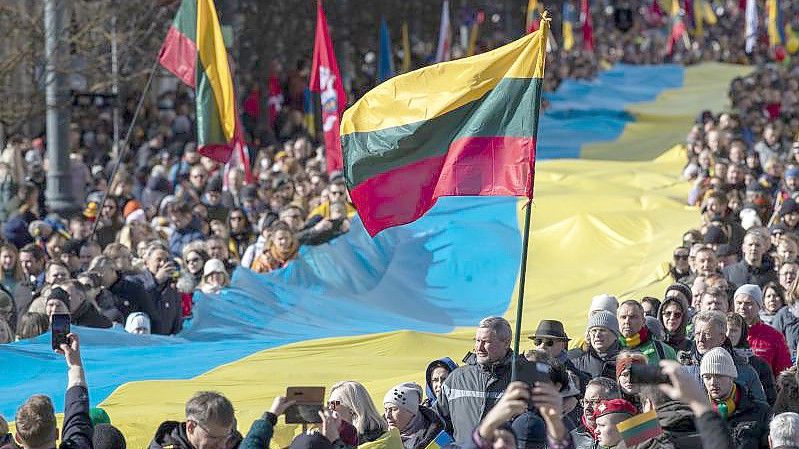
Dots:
(528, 206)
(122, 149)
(522, 275)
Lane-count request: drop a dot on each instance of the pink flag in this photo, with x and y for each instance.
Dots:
(326, 79)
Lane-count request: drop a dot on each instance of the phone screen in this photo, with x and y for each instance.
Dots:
(309, 401)
(59, 329)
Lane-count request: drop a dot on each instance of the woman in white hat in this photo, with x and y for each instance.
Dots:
(215, 277)
(417, 424)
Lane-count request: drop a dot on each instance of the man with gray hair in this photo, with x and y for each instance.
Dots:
(210, 424)
(473, 389)
(710, 331)
(784, 433)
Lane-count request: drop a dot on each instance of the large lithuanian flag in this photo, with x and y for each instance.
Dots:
(195, 52)
(465, 127)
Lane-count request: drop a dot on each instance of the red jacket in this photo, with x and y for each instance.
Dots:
(769, 344)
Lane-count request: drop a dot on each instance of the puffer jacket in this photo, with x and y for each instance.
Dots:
(591, 363)
(747, 375)
(473, 389)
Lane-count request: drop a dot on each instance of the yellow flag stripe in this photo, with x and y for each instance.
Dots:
(637, 420)
(433, 91)
(213, 56)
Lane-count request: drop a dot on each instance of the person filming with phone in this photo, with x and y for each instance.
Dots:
(159, 283)
(35, 419)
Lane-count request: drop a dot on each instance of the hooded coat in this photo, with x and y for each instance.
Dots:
(679, 339)
(443, 362)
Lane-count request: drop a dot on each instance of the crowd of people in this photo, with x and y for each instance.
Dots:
(722, 339)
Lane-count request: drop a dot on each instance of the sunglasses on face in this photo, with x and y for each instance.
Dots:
(541, 341)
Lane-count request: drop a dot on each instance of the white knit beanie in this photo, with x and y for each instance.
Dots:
(406, 396)
(718, 361)
(604, 302)
(751, 290)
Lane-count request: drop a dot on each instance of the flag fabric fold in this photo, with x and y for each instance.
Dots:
(326, 79)
(178, 53)
(195, 52)
(462, 128)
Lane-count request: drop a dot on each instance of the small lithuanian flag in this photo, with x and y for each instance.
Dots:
(640, 428)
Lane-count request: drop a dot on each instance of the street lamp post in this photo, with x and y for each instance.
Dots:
(59, 194)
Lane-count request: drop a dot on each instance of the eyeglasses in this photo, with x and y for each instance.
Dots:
(210, 435)
(334, 404)
(681, 256)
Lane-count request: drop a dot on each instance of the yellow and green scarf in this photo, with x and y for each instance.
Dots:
(727, 407)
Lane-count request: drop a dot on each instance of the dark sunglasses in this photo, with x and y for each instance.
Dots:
(540, 341)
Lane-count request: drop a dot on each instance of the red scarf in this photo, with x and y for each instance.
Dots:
(588, 427)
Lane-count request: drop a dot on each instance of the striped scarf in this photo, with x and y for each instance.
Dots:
(637, 339)
(727, 407)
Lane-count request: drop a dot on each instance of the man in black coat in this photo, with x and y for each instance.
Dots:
(603, 346)
(755, 267)
(35, 419)
(209, 424)
(159, 283)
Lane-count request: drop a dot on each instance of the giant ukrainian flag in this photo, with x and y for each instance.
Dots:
(460, 128)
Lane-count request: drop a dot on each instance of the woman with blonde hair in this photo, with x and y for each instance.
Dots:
(353, 403)
(10, 269)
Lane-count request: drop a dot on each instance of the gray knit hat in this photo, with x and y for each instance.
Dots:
(603, 318)
(753, 291)
(718, 361)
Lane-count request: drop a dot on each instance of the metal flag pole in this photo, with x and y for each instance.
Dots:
(528, 205)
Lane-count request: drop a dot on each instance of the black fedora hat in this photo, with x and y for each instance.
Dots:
(550, 329)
